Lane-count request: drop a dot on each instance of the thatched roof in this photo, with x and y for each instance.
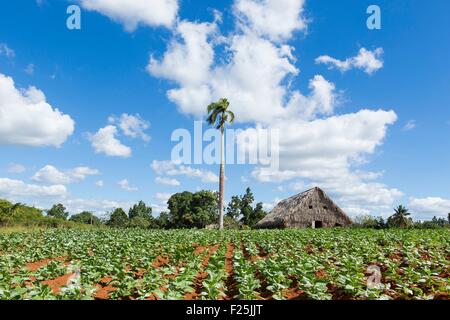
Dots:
(312, 208)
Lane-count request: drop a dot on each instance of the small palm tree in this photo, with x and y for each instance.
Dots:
(219, 116)
(401, 217)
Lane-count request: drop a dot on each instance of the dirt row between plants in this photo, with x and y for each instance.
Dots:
(202, 274)
(231, 290)
(55, 284)
(34, 266)
(265, 294)
(291, 293)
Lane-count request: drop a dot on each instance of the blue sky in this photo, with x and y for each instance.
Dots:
(364, 114)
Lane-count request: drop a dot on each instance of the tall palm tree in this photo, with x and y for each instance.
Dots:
(219, 116)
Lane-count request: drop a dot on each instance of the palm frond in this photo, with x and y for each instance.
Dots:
(232, 116)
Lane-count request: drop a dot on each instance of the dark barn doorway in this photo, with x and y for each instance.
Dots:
(317, 224)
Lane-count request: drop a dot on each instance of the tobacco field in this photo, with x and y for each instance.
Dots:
(325, 264)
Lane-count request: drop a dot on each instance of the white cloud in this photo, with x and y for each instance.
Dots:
(105, 141)
(369, 61)
(255, 73)
(100, 183)
(269, 206)
(104, 206)
(297, 186)
(167, 181)
(426, 208)
(10, 188)
(321, 100)
(170, 168)
(410, 125)
(325, 151)
(132, 126)
(163, 197)
(16, 168)
(132, 13)
(27, 119)
(158, 208)
(356, 211)
(97, 206)
(51, 175)
(6, 51)
(125, 185)
(253, 76)
(276, 19)
(187, 63)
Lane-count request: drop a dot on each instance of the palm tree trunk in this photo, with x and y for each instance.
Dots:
(221, 181)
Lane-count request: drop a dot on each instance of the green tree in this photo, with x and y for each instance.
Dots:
(86, 217)
(257, 215)
(139, 222)
(19, 214)
(192, 210)
(163, 221)
(140, 210)
(234, 208)
(219, 116)
(246, 206)
(204, 208)
(179, 206)
(118, 219)
(400, 218)
(242, 207)
(58, 211)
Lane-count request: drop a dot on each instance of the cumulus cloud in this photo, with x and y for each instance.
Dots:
(253, 79)
(324, 151)
(426, 208)
(10, 188)
(51, 175)
(268, 206)
(132, 13)
(170, 168)
(98, 206)
(132, 126)
(27, 119)
(366, 60)
(163, 197)
(168, 181)
(187, 62)
(105, 141)
(6, 51)
(255, 73)
(275, 19)
(102, 207)
(125, 185)
(100, 183)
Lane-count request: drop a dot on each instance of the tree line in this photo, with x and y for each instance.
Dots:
(186, 210)
(400, 219)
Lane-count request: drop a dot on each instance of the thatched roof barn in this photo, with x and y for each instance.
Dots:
(310, 209)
